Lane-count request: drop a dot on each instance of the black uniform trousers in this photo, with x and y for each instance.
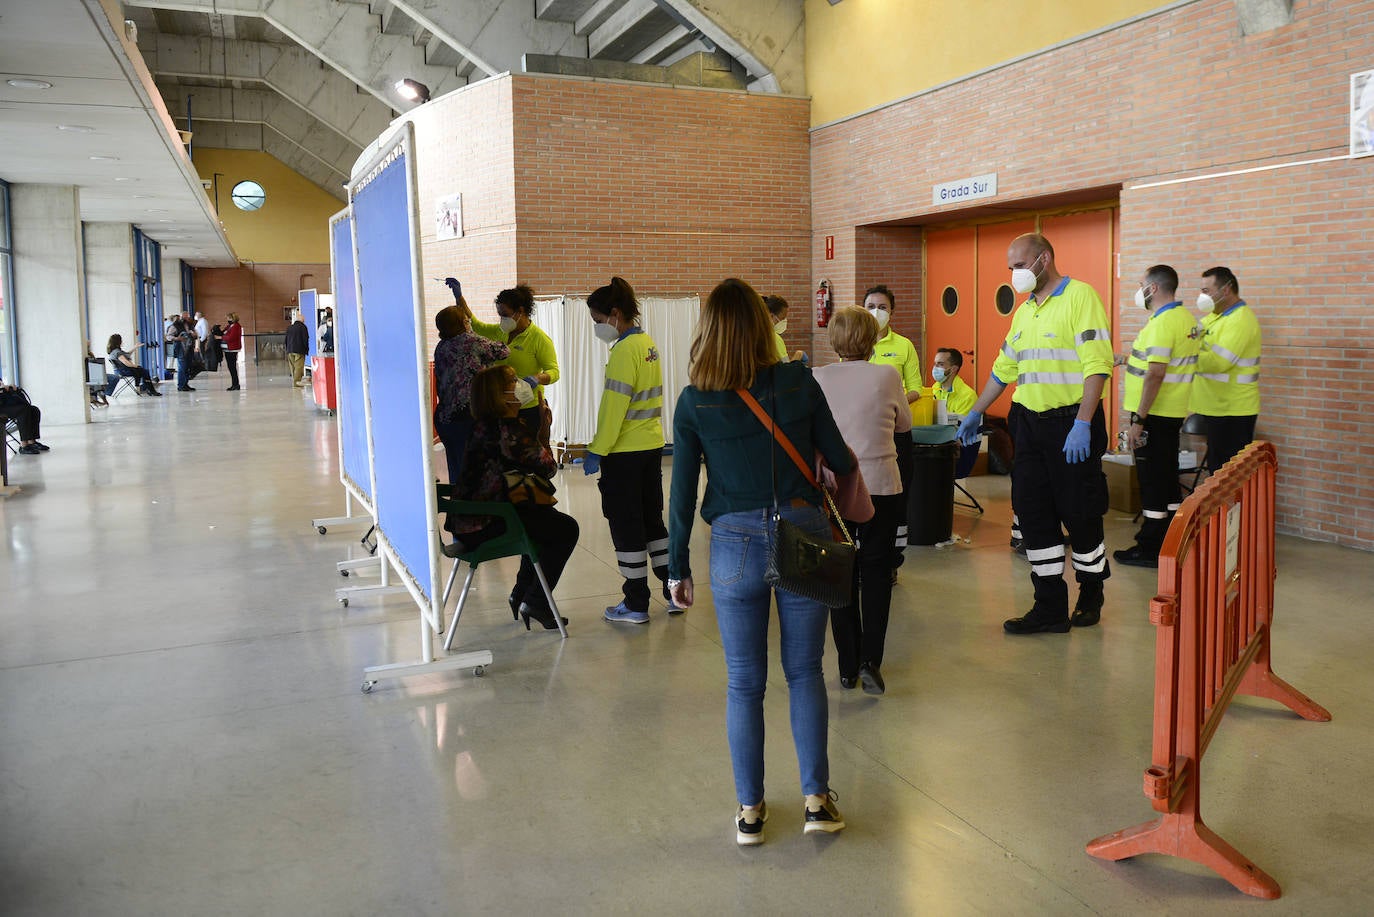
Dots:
(1156, 467)
(906, 468)
(1046, 493)
(631, 486)
(1226, 436)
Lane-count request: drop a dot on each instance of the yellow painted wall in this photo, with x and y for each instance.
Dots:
(864, 53)
(293, 226)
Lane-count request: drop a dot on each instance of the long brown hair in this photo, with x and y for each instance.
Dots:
(116, 340)
(734, 339)
(489, 392)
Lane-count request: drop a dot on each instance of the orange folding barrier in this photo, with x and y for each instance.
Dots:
(1214, 612)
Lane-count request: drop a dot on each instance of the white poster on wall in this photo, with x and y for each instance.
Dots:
(1362, 113)
(448, 217)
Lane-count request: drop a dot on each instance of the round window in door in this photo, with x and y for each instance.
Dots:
(949, 301)
(1005, 299)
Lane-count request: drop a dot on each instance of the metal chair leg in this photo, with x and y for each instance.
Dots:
(973, 501)
(548, 594)
(462, 600)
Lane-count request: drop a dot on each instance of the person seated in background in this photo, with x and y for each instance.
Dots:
(15, 405)
(949, 388)
(121, 363)
(500, 442)
(777, 310)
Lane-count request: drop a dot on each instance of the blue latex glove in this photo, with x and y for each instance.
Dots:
(591, 464)
(1078, 443)
(534, 383)
(968, 428)
(457, 288)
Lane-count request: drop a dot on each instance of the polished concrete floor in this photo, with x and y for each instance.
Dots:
(182, 730)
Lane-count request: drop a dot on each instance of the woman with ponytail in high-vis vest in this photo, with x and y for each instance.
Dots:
(628, 449)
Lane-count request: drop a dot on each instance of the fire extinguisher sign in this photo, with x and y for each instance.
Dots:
(829, 248)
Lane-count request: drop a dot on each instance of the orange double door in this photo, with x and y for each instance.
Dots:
(968, 296)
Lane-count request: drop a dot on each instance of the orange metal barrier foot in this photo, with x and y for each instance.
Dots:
(1264, 683)
(1187, 837)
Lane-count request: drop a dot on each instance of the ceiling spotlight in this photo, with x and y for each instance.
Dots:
(413, 90)
(29, 84)
(76, 128)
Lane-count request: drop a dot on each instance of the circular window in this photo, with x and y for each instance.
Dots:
(1006, 299)
(949, 300)
(248, 195)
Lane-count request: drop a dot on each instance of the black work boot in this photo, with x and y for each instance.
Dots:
(1088, 610)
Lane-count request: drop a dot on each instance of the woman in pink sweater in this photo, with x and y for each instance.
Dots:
(870, 407)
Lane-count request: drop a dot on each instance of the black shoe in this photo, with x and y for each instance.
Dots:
(514, 607)
(872, 679)
(1136, 557)
(848, 681)
(542, 615)
(1033, 623)
(1088, 610)
(232, 388)
(185, 388)
(155, 393)
(41, 447)
(30, 449)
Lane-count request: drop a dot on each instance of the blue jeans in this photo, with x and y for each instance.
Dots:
(739, 546)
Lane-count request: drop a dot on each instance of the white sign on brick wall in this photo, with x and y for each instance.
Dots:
(964, 189)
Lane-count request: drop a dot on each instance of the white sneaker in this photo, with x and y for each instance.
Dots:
(749, 825)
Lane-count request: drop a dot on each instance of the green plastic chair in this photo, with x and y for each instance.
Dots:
(513, 542)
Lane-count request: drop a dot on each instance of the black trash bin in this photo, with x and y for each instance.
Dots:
(930, 499)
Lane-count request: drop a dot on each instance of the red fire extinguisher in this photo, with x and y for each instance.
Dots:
(824, 305)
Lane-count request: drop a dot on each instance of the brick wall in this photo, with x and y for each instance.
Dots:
(258, 292)
(673, 189)
(1179, 94)
(463, 146)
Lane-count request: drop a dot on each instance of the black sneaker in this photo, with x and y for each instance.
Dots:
(749, 825)
(1018, 545)
(822, 815)
(41, 447)
(29, 449)
(1037, 623)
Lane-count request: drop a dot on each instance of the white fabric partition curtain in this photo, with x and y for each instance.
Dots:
(670, 321)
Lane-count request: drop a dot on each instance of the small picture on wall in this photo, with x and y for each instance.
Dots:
(1362, 113)
(448, 217)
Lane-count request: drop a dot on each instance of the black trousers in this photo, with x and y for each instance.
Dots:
(906, 467)
(231, 358)
(860, 628)
(1156, 467)
(26, 416)
(140, 375)
(1047, 492)
(1226, 436)
(631, 486)
(556, 534)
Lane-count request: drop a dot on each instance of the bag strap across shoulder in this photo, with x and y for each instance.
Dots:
(780, 436)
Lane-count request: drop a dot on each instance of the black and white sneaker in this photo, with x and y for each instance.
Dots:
(749, 825)
(822, 815)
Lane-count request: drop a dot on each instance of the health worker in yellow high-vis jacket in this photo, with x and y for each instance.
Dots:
(1159, 379)
(1059, 354)
(628, 450)
(1226, 385)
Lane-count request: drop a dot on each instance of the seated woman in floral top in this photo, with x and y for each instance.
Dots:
(457, 358)
(499, 442)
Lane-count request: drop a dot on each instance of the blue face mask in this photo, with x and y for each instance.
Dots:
(938, 374)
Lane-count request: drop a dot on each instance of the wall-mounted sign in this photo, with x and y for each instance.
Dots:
(1362, 113)
(964, 189)
(829, 248)
(448, 217)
